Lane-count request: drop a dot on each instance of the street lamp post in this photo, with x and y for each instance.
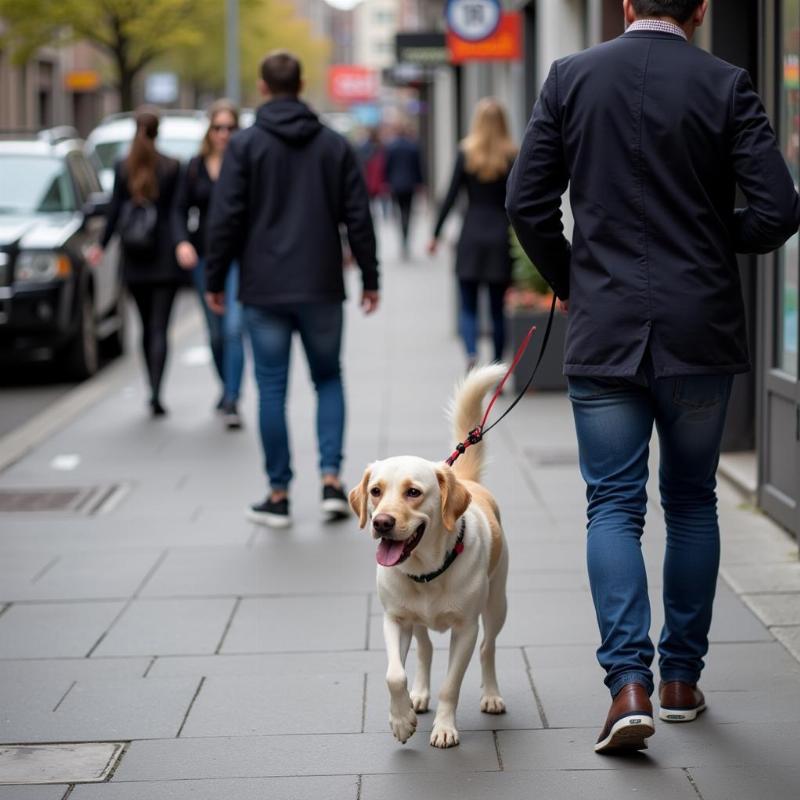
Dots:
(232, 80)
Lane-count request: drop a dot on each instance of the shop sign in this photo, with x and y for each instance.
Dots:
(83, 80)
(505, 44)
(473, 20)
(421, 48)
(348, 83)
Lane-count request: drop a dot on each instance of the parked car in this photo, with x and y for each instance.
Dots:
(53, 306)
(179, 136)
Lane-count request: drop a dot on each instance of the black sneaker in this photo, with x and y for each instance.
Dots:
(230, 415)
(272, 513)
(334, 502)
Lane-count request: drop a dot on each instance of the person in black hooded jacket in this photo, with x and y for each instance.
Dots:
(286, 186)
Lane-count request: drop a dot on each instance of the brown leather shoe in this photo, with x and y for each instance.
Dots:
(680, 701)
(629, 722)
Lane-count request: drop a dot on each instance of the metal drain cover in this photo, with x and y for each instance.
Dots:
(89, 762)
(78, 500)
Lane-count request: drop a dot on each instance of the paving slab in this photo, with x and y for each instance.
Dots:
(117, 710)
(790, 638)
(753, 578)
(53, 792)
(701, 744)
(40, 672)
(54, 629)
(656, 784)
(165, 627)
(285, 705)
(775, 609)
(747, 783)
(292, 624)
(268, 756)
(330, 788)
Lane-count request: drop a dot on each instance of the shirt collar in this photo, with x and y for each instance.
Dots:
(660, 25)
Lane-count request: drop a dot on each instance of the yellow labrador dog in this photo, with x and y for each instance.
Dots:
(442, 564)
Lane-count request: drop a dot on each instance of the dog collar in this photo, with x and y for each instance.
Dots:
(449, 559)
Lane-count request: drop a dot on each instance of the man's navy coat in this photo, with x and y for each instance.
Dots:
(652, 135)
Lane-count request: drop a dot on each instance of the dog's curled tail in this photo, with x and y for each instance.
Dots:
(466, 412)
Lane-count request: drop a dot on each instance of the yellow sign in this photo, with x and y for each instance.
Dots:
(86, 80)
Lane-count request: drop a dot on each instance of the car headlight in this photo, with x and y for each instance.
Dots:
(41, 266)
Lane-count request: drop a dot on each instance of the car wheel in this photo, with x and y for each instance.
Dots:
(114, 344)
(82, 353)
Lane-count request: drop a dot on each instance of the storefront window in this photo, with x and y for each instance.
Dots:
(787, 306)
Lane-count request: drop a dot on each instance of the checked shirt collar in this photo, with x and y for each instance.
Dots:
(660, 25)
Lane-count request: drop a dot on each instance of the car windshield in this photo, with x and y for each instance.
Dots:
(30, 184)
(183, 149)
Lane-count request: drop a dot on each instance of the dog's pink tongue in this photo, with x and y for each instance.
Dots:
(389, 552)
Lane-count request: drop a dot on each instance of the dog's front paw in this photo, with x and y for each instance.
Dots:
(421, 701)
(403, 725)
(444, 735)
(493, 704)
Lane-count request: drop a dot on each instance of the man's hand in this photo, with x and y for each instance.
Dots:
(186, 255)
(369, 301)
(94, 254)
(563, 306)
(216, 302)
(433, 245)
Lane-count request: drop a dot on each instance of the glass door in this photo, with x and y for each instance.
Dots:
(779, 492)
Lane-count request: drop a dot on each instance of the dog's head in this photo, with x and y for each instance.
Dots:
(405, 497)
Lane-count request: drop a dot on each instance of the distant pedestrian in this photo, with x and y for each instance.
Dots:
(196, 186)
(372, 155)
(141, 203)
(653, 136)
(483, 258)
(404, 176)
(286, 186)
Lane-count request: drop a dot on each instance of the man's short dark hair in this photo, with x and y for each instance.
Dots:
(282, 72)
(679, 10)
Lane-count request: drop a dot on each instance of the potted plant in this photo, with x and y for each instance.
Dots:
(529, 300)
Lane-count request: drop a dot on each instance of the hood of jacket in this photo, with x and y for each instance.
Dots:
(290, 119)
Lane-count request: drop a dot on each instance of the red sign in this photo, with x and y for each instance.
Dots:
(505, 44)
(352, 84)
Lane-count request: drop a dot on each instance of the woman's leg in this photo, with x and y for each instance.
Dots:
(233, 347)
(468, 318)
(163, 297)
(497, 297)
(213, 321)
(143, 297)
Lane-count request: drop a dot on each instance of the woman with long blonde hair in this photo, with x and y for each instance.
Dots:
(191, 209)
(484, 160)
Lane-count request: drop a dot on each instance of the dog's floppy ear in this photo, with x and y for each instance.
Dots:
(455, 496)
(358, 499)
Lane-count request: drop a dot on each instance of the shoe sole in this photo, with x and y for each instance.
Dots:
(233, 423)
(680, 714)
(628, 733)
(336, 508)
(267, 519)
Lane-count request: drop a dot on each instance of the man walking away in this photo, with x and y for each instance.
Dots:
(286, 185)
(404, 176)
(653, 135)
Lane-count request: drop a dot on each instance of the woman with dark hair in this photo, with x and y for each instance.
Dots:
(483, 258)
(191, 207)
(144, 189)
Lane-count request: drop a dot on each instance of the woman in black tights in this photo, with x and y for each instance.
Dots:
(144, 187)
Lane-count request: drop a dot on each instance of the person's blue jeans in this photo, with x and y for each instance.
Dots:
(320, 328)
(614, 420)
(224, 331)
(468, 316)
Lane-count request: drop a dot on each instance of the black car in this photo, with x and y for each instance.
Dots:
(53, 306)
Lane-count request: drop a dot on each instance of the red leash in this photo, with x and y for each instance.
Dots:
(476, 434)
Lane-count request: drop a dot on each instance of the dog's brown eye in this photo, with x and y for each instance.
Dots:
(375, 491)
(413, 492)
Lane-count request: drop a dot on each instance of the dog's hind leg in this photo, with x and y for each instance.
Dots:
(402, 719)
(421, 691)
(494, 616)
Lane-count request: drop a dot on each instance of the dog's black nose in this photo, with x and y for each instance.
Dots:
(383, 523)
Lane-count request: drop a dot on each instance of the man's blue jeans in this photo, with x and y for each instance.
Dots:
(224, 331)
(320, 328)
(614, 419)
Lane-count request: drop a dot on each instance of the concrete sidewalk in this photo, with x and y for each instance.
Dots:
(238, 662)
